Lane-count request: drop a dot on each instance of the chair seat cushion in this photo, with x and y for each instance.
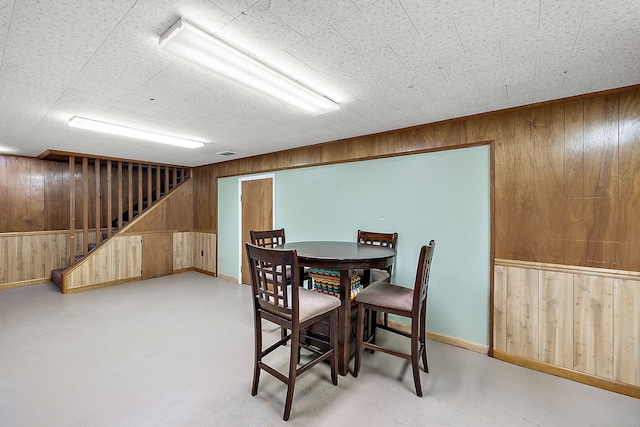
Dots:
(314, 303)
(376, 275)
(387, 295)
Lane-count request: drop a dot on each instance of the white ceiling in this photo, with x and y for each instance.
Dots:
(389, 63)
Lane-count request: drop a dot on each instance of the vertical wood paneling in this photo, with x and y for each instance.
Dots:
(183, 251)
(523, 244)
(119, 186)
(547, 182)
(109, 199)
(4, 258)
(448, 134)
(556, 318)
(85, 206)
(97, 222)
(629, 181)
(575, 249)
(593, 325)
(626, 331)
(522, 312)
(72, 210)
(35, 219)
(500, 308)
(600, 179)
(501, 129)
(157, 255)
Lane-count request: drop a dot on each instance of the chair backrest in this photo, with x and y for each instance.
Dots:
(378, 239)
(389, 240)
(271, 289)
(422, 274)
(268, 238)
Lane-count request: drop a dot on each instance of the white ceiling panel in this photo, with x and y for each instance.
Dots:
(388, 63)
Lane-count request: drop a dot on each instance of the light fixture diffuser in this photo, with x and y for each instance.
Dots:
(189, 42)
(95, 125)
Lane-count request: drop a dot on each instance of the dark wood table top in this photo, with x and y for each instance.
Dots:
(342, 255)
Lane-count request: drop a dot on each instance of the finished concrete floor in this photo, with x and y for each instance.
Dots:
(178, 351)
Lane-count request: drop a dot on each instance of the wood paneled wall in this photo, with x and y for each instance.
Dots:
(194, 250)
(566, 175)
(583, 319)
(28, 258)
(34, 193)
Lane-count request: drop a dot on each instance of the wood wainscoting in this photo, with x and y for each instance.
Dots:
(577, 322)
(27, 258)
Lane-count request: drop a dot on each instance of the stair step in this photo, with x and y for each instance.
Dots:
(56, 276)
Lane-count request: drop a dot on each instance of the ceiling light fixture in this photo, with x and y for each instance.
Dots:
(189, 42)
(95, 125)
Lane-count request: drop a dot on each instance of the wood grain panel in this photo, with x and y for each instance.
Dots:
(157, 255)
(183, 250)
(575, 248)
(35, 220)
(500, 308)
(523, 244)
(5, 194)
(4, 257)
(593, 325)
(600, 179)
(547, 182)
(629, 181)
(626, 331)
(522, 312)
(556, 318)
(205, 195)
(448, 134)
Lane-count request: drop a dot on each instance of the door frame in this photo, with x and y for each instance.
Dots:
(273, 204)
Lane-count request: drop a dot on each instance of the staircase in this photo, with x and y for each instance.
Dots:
(154, 182)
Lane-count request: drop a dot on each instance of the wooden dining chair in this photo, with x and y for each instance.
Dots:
(271, 239)
(389, 240)
(401, 301)
(282, 301)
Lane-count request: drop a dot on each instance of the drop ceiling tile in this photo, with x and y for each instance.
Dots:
(381, 62)
(427, 15)
(259, 32)
(377, 25)
(309, 17)
(326, 46)
(234, 7)
(439, 43)
(490, 24)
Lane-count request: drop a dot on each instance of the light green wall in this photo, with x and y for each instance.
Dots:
(442, 196)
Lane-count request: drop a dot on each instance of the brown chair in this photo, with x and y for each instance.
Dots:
(272, 238)
(401, 301)
(282, 301)
(378, 239)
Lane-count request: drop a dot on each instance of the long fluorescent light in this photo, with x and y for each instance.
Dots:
(189, 42)
(95, 125)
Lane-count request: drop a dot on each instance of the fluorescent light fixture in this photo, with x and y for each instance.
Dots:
(189, 42)
(95, 125)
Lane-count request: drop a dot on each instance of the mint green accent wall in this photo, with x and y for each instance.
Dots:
(228, 226)
(442, 196)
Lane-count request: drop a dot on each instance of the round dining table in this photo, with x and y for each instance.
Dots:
(345, 257)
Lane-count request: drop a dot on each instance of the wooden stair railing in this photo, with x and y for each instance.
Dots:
(154, 182)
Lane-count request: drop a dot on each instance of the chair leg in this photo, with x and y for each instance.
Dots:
(359, 336)
(258, 353)
(333, 341)
(293, 366)
(415, 358)
(423, 336)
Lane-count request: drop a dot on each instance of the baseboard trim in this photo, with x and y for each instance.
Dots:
(603, 383)
(446, 339)
(229, 278)
(103, 285)
(25, 283)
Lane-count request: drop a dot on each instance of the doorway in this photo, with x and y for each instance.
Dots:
(257, 195)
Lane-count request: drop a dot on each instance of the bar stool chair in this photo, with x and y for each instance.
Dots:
(272, 238)
(393, 299)
(373, 238)
(282, 301)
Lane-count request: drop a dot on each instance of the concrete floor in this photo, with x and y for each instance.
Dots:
(178, 350)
